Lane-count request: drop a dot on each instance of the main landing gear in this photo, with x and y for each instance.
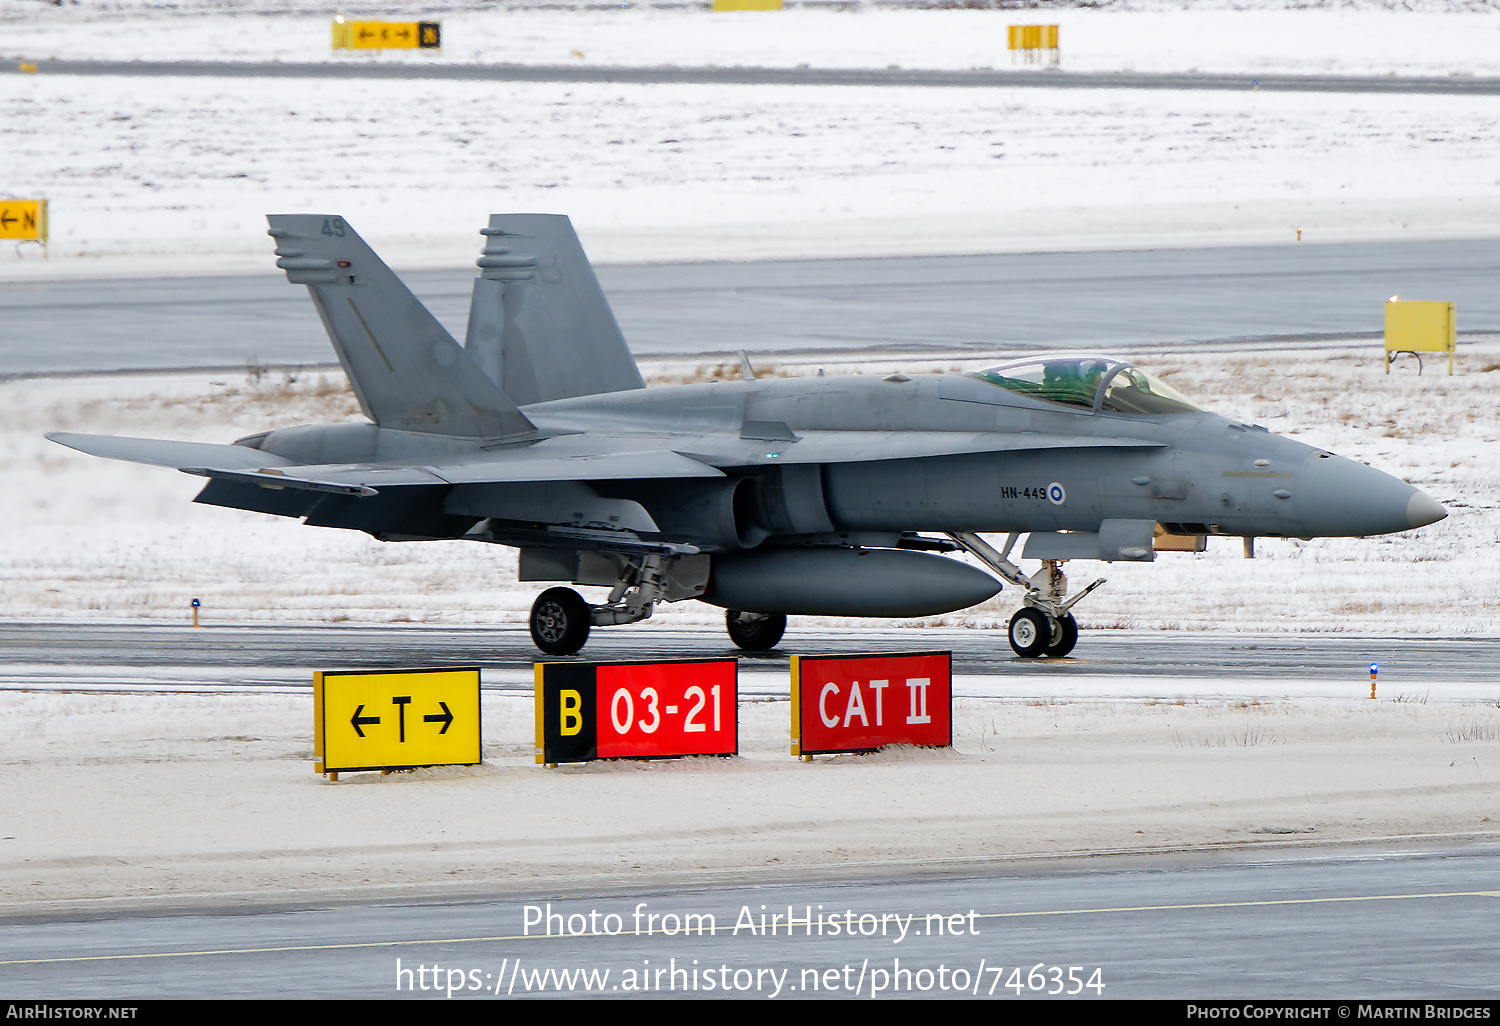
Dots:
(1043, 626)
(754, 632)
(560, 621)
(561, 618)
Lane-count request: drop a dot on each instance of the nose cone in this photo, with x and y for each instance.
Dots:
(1422, 509)
(1337, 497)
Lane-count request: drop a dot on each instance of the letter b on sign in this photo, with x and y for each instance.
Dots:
(570, 712)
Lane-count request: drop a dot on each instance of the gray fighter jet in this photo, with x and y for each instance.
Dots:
(816, 496)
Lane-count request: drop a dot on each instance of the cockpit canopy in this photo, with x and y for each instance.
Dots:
(1089, 383)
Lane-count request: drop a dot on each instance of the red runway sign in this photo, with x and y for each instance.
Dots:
(590, 711)
(857, 703)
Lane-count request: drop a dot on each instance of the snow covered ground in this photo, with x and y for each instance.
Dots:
(86, 780)
(1458, 37)
(174, 175)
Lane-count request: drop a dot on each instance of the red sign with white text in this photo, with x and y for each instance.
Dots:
(649, 710)
(856, 703)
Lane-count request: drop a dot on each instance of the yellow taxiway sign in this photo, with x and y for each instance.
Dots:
(25, 220)
(385, 720)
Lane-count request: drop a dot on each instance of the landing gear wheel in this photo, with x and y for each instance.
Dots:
(1064, 636)
(1029, 632)
(754, 633)
(560, 621)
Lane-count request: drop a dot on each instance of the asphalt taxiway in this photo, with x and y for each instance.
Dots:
(1145, 665)
(1406, 922)
(971, 78)
(1110, 301)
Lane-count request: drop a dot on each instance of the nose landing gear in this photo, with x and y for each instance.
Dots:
(1043, 626)
(1033, 633)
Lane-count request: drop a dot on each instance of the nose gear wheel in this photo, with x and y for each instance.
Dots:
(1064, 637)
(1029, 633)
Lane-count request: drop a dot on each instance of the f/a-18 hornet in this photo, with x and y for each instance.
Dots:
(824, 496)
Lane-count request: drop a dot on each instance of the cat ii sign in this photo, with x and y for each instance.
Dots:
(857, 703)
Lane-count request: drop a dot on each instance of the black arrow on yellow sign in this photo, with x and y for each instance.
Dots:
(360, 721)
(446, 719)
(357, 721)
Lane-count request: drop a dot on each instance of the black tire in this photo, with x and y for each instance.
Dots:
(560, 621)
(1064, 637)
(1029, 633)
(757, 634)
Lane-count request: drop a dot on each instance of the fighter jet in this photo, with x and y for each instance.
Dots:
(825, 496)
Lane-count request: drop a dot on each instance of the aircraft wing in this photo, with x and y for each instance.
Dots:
(161, 452)
(586, 458)
(502, 467)
(252, 466)
(574, 458)
(531, 465)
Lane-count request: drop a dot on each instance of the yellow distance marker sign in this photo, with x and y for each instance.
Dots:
(387, 35)
(386, 720)
(25, 220)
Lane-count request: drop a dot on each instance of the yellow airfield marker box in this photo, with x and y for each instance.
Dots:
(386, 35)
(23, 220)
(389, 720)
(1413, 326)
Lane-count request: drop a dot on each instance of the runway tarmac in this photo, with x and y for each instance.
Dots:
(1112, 301)
(1141, 665)
(1408, 922)
(976, 78)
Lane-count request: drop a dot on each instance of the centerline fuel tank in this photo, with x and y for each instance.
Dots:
(845, 582)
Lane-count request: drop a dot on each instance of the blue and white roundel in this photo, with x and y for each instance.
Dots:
(1056, 494)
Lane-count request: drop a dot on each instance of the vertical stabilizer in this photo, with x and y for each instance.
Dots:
(539, 325)
(406, 370)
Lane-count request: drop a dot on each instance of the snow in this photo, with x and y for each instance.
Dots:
(174, 175)
(1457, 39)
(86, 779)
